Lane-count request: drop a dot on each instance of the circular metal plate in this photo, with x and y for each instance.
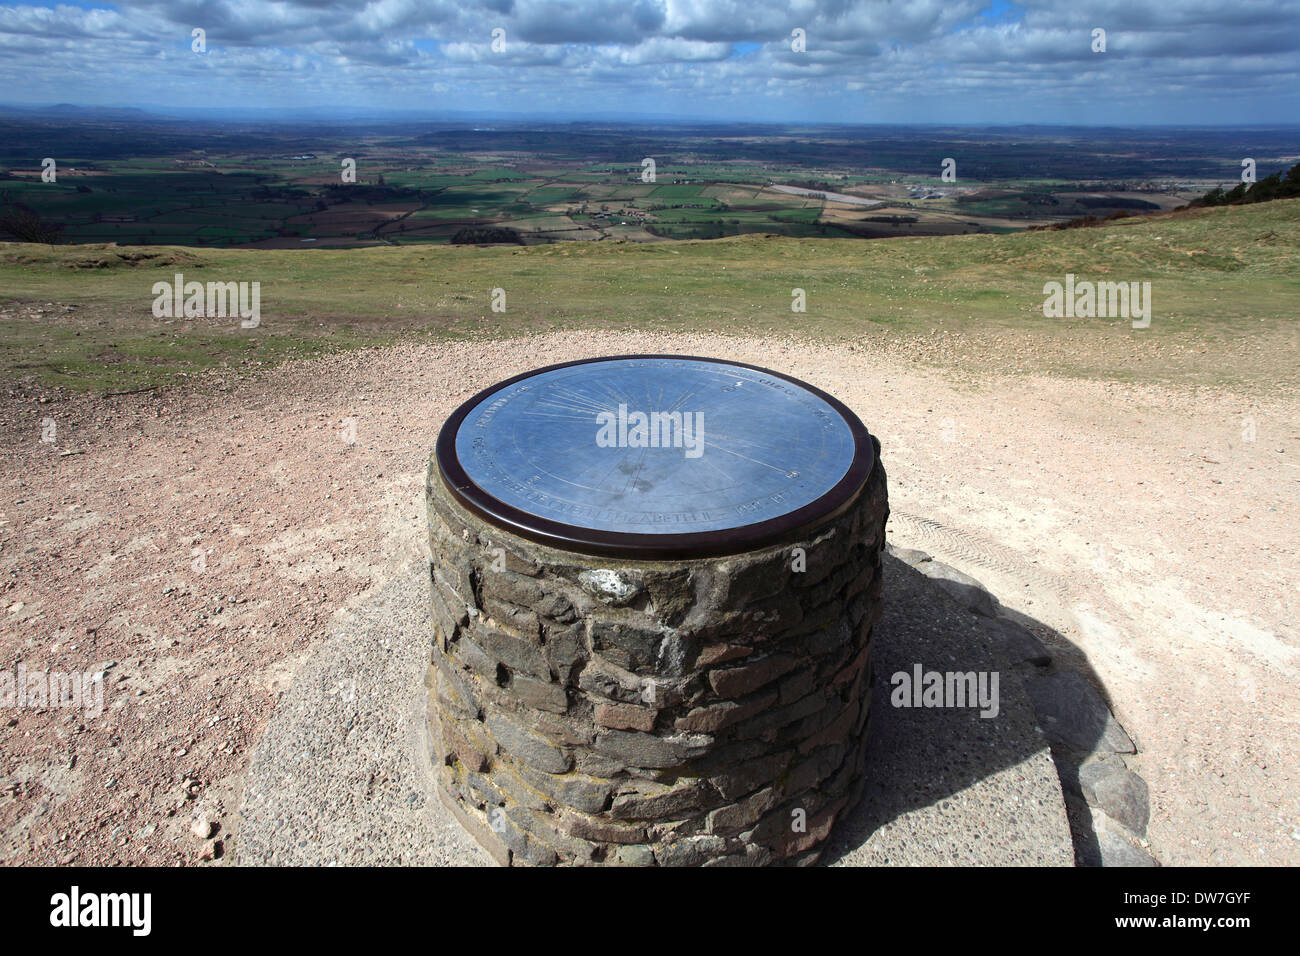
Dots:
(654, 456)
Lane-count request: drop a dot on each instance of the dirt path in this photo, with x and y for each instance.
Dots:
(201, 541)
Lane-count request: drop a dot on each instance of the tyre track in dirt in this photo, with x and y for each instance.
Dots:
(957, 545)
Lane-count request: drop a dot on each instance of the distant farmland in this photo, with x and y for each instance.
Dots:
(286, 189)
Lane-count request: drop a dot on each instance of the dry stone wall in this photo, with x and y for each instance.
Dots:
(592, 710)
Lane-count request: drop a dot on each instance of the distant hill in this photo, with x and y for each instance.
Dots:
(1269, 188)
(71, 111)
(1272, 187)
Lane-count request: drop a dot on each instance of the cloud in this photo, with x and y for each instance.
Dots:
(864, 60)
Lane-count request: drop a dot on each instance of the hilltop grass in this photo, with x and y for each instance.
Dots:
(1219, 276)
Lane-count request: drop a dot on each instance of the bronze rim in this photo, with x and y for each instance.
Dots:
(656, 547)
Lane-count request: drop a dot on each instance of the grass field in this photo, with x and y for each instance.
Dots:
(1225, 290)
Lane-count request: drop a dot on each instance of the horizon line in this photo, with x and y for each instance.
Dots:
(357, 115)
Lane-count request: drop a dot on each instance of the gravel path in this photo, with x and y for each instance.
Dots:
(201, 542)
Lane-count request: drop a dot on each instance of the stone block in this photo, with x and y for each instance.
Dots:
(635, 749)
(573, 789)
(747, 678)
(517, 653)
(653, 803)
(625, 716)
(715, 717)
(690, 851)
(527, 746)
(735, 817)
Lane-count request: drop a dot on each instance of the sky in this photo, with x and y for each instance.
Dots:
(1177, 62)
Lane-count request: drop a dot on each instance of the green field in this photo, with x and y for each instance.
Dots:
(1225, 287)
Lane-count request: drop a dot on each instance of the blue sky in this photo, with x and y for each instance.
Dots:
(924, 61)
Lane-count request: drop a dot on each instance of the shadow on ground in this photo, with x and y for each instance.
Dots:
(945, 785)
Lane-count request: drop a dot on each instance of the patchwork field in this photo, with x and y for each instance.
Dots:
(432, 184)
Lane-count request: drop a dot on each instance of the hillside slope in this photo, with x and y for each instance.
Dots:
(1225, 288)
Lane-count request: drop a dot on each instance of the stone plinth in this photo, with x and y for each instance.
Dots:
(588, 709)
